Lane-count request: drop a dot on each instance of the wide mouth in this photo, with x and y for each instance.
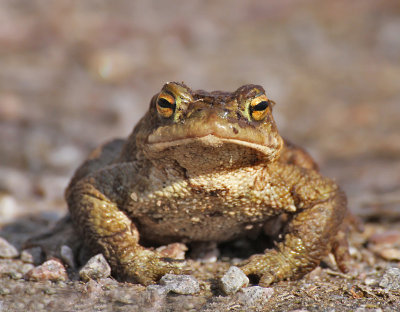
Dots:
(210, 153)
(215, 136)
(209, 139)
(212, 125)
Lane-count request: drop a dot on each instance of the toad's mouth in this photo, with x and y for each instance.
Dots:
(211, 140)
(215, 135)
(203, 154)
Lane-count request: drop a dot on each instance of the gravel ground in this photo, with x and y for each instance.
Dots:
(75, 74)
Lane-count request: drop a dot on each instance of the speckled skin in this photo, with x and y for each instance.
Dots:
(211, 167)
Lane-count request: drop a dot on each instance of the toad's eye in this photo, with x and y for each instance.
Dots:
(259, 107)
(166, 105)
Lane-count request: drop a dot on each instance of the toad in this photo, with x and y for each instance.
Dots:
(206, 167)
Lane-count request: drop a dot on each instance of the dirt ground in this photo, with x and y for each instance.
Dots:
(74, 74)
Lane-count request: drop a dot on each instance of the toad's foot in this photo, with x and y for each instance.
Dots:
(309, 236)
(146, 266)
(270, 267)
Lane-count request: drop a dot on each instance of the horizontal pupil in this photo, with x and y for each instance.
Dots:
(260, 106)
(163, 103)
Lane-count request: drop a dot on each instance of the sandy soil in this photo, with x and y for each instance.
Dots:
(77, 73)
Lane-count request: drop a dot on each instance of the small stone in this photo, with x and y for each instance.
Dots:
(370, 281)
(385, 238)
(16, 275)
(315, 274)
(52, 270)
(180, 284)
(49, 291)
(390, 254)
(7, 250)
(256, 295)
(32, 255)
(391, 279)
(67, 256)
(96, 268)
(175, 251)
(158, 289)
(233, 280)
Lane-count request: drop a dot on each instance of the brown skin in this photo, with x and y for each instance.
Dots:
(202, 167)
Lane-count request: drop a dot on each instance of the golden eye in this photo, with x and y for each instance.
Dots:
(166, 105)
(259, 107)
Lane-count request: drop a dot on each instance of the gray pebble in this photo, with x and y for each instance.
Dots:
(251, 296)
(391, 279)
(233, 280)
(180, 284)
(16, 275)
(158, 289)
(67, 256)
(370, 281)
(7, 250)
(96, 268)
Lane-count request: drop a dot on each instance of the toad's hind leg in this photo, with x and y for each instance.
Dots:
(95, 209)
(308, 238)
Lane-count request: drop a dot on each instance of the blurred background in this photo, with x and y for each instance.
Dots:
(74, 74)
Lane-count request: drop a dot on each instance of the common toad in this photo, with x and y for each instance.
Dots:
(206, 166)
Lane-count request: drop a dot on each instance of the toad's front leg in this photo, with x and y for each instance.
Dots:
(95, 206)
(308, 236)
